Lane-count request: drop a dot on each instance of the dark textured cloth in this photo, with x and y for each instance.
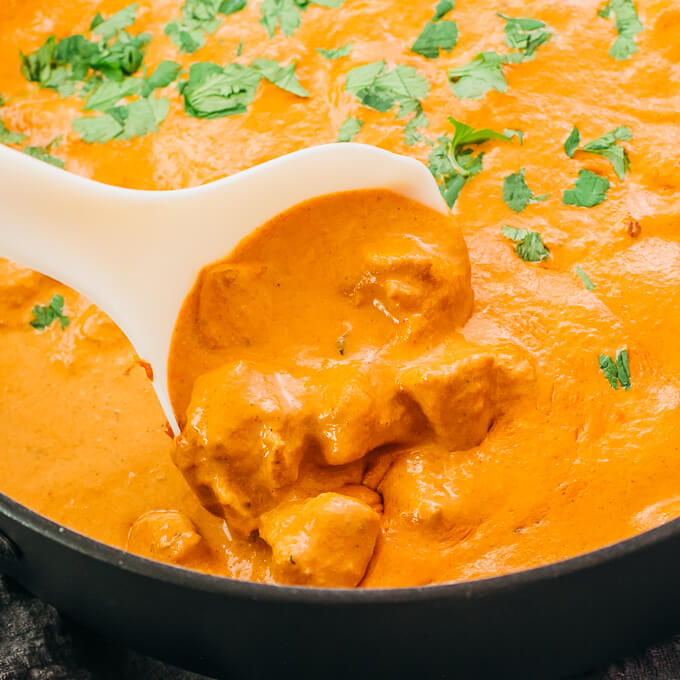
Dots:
(36, 643)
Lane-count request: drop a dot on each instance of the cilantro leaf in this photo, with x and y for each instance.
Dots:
(628, 25)
(584, 277)
(165, 73)
(199, 18)
(525, 35)
(8, 136)
(99, 129)
(281, 76)
(232, 6)
(607, 146)
(42, 153)
(286, 13)
(375, 86)
(572, 142)
(590, 190)
(442, 9)
(529, 244)
(214, 92)
(124, 122)
(37, 66)
(440, 35)
(350, 129)
(516, 193)
(510, 133)
(335, 53)
(117, 22)
(110, 92)
(45, 315)
(475, 79)
(452, 163)
(616, 371)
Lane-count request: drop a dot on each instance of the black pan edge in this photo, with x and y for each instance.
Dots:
(182, 577)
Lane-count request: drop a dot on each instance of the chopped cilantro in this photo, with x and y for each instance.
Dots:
(510, 133)
(239, 49)
(590, 190)
(232, 6)
(214, 92)
(442, 9)
(616, 371)
(9, 136)
(483, 73)
(335, 53)
(199, 18)
(350, 129)
(117, 22)
(529, 244)
(110, 92)
(42, 153)
(124, 122)
(516, 193)
(375, 86)
(572, 142)
(525, 35)
(123, 57)
(281, 76)
(37, 66)
(437, 35)
(452, 164)
(628, 25)
(584, 277)
(607, 147)
(286, 13)
(45, 315)
(165, 73)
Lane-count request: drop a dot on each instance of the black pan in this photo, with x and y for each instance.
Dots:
(549, 622)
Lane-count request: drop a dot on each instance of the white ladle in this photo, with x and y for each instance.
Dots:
(137, 254)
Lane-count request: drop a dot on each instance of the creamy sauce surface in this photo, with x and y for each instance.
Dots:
(566, 467)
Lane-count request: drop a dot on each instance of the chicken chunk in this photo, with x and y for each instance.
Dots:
(416, 284)
(166, 535)
(325, 541)
(246, 434)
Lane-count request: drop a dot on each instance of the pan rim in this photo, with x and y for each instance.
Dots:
(183, 577)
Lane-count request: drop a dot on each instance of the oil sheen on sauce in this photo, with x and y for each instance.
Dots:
(564, 464)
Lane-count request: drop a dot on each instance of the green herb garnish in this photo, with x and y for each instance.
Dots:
(281, 76)
(529, 244)
(42, 153)
(199, 18)
(474, 80)
(584, 277)
(107, 28)
(442, 9)
(616, 371)
(350, 129)
(286, 13)
(45, 315)
(124, 122)
(605, 146)
(525, 35)
(628, 25)
(572, 142)
(453, 164)
(166, 72)
(9, 136)
(437, 34)
(590, 190)
(375, 86)
(336, 53)
(516, 193)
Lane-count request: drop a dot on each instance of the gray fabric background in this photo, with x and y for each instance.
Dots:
(38, 644)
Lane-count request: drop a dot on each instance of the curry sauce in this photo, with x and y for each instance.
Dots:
(454, 413)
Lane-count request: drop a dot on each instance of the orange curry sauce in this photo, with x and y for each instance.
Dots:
(552, 461)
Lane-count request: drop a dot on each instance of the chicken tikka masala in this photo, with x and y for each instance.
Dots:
(370, 393)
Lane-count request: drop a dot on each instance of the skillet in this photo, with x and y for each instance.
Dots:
(547, 622)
